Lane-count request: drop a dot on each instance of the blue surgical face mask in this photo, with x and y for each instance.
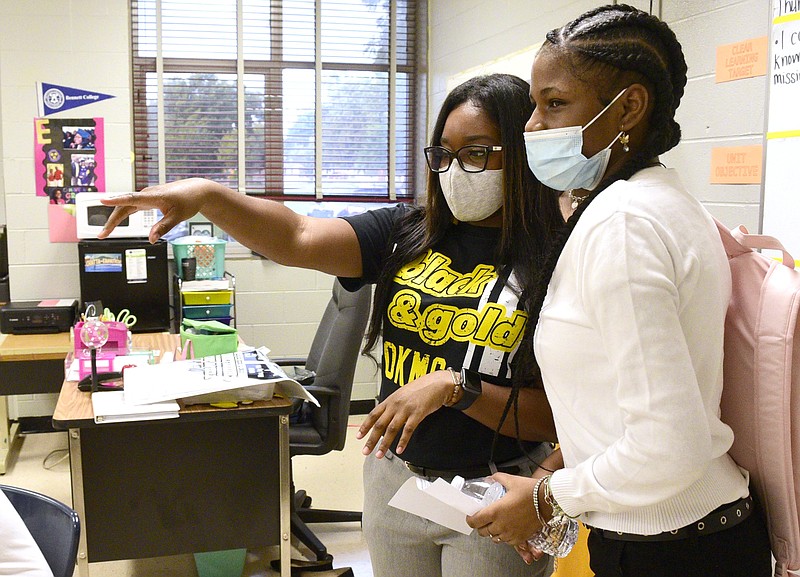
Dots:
(556, 156)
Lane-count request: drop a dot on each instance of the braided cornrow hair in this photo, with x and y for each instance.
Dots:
(609, 47)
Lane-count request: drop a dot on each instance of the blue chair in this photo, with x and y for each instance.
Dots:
(55, 527)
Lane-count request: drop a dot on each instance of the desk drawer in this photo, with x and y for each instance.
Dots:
(206, 312)
(207, 297)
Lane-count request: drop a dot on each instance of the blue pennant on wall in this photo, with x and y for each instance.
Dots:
(54, 98)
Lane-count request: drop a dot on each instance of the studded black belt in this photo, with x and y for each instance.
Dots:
(719, 520)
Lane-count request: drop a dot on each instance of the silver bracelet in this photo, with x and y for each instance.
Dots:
(538, 484)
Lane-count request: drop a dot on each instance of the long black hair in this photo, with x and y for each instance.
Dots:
(528, 215)
(608, 48)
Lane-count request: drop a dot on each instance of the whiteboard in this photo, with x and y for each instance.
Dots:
(781, 203)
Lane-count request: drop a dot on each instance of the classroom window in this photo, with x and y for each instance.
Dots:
(296, 100)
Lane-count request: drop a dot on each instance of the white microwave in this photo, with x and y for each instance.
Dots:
(91, 216)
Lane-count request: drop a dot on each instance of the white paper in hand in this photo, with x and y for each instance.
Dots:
(438, 501)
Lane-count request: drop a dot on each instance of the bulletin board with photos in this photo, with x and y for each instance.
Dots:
(68, 158)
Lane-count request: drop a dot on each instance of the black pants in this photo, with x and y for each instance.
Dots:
(741, 551)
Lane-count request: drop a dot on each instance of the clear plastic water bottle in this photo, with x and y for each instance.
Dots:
(556, 540)
(482, 489)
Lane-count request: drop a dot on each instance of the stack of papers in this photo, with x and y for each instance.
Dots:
(246, 375)
(205, 285)
(150, 391)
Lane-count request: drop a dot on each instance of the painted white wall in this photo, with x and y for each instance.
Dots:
(86, 44)
(465, 34)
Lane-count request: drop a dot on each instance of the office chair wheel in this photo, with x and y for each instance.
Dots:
(302, 500)
(302, 565)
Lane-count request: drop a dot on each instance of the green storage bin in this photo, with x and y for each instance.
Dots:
(209, 337)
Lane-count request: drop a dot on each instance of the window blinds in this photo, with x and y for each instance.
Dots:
(298, 99)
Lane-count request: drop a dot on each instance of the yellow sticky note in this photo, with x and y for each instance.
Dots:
(743, 59)
(736, 164)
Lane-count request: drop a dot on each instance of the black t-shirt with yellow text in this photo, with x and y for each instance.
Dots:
(450, 307)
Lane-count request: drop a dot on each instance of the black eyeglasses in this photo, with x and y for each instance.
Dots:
(471, 158)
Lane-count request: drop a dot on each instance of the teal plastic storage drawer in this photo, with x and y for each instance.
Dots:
(209, 252)
(207, 311)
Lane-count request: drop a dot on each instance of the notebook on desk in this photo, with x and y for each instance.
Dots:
(110, 407)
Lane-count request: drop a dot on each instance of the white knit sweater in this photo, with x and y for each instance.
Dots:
(630, 345)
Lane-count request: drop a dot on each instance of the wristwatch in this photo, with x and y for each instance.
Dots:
(471, 387)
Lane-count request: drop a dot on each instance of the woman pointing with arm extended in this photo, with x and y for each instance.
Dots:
(446, 310)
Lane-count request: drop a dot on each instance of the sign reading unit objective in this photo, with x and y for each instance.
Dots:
(736, 164)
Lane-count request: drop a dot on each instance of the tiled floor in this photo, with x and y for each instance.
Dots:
(40, 463)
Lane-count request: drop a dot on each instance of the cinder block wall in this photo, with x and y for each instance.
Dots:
(468, 33)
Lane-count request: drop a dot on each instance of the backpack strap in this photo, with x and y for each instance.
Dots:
(761, 241)
(739, 241)
(733, 247)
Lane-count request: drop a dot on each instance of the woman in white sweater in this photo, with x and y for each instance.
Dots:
(631, 307)
(20, 556)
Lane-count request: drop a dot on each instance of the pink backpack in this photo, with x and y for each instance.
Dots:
(760, 396)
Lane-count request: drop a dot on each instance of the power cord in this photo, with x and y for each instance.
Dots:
(52, 454)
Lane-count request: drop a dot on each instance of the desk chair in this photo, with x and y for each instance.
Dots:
(54, 526)
(329, 366)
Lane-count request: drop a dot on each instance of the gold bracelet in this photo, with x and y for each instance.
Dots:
(454, 395)
(550, 499)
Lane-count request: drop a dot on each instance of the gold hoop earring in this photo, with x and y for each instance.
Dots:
(624, 139)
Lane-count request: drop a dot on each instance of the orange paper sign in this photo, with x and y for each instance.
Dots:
(736, 164)
(743, 59)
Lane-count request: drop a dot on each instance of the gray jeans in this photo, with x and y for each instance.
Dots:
(404, 545)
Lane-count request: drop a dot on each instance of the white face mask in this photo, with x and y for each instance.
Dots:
(472, 196)
(556, 157)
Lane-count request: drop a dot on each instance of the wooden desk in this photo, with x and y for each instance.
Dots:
(210, 480)
(29, 364)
